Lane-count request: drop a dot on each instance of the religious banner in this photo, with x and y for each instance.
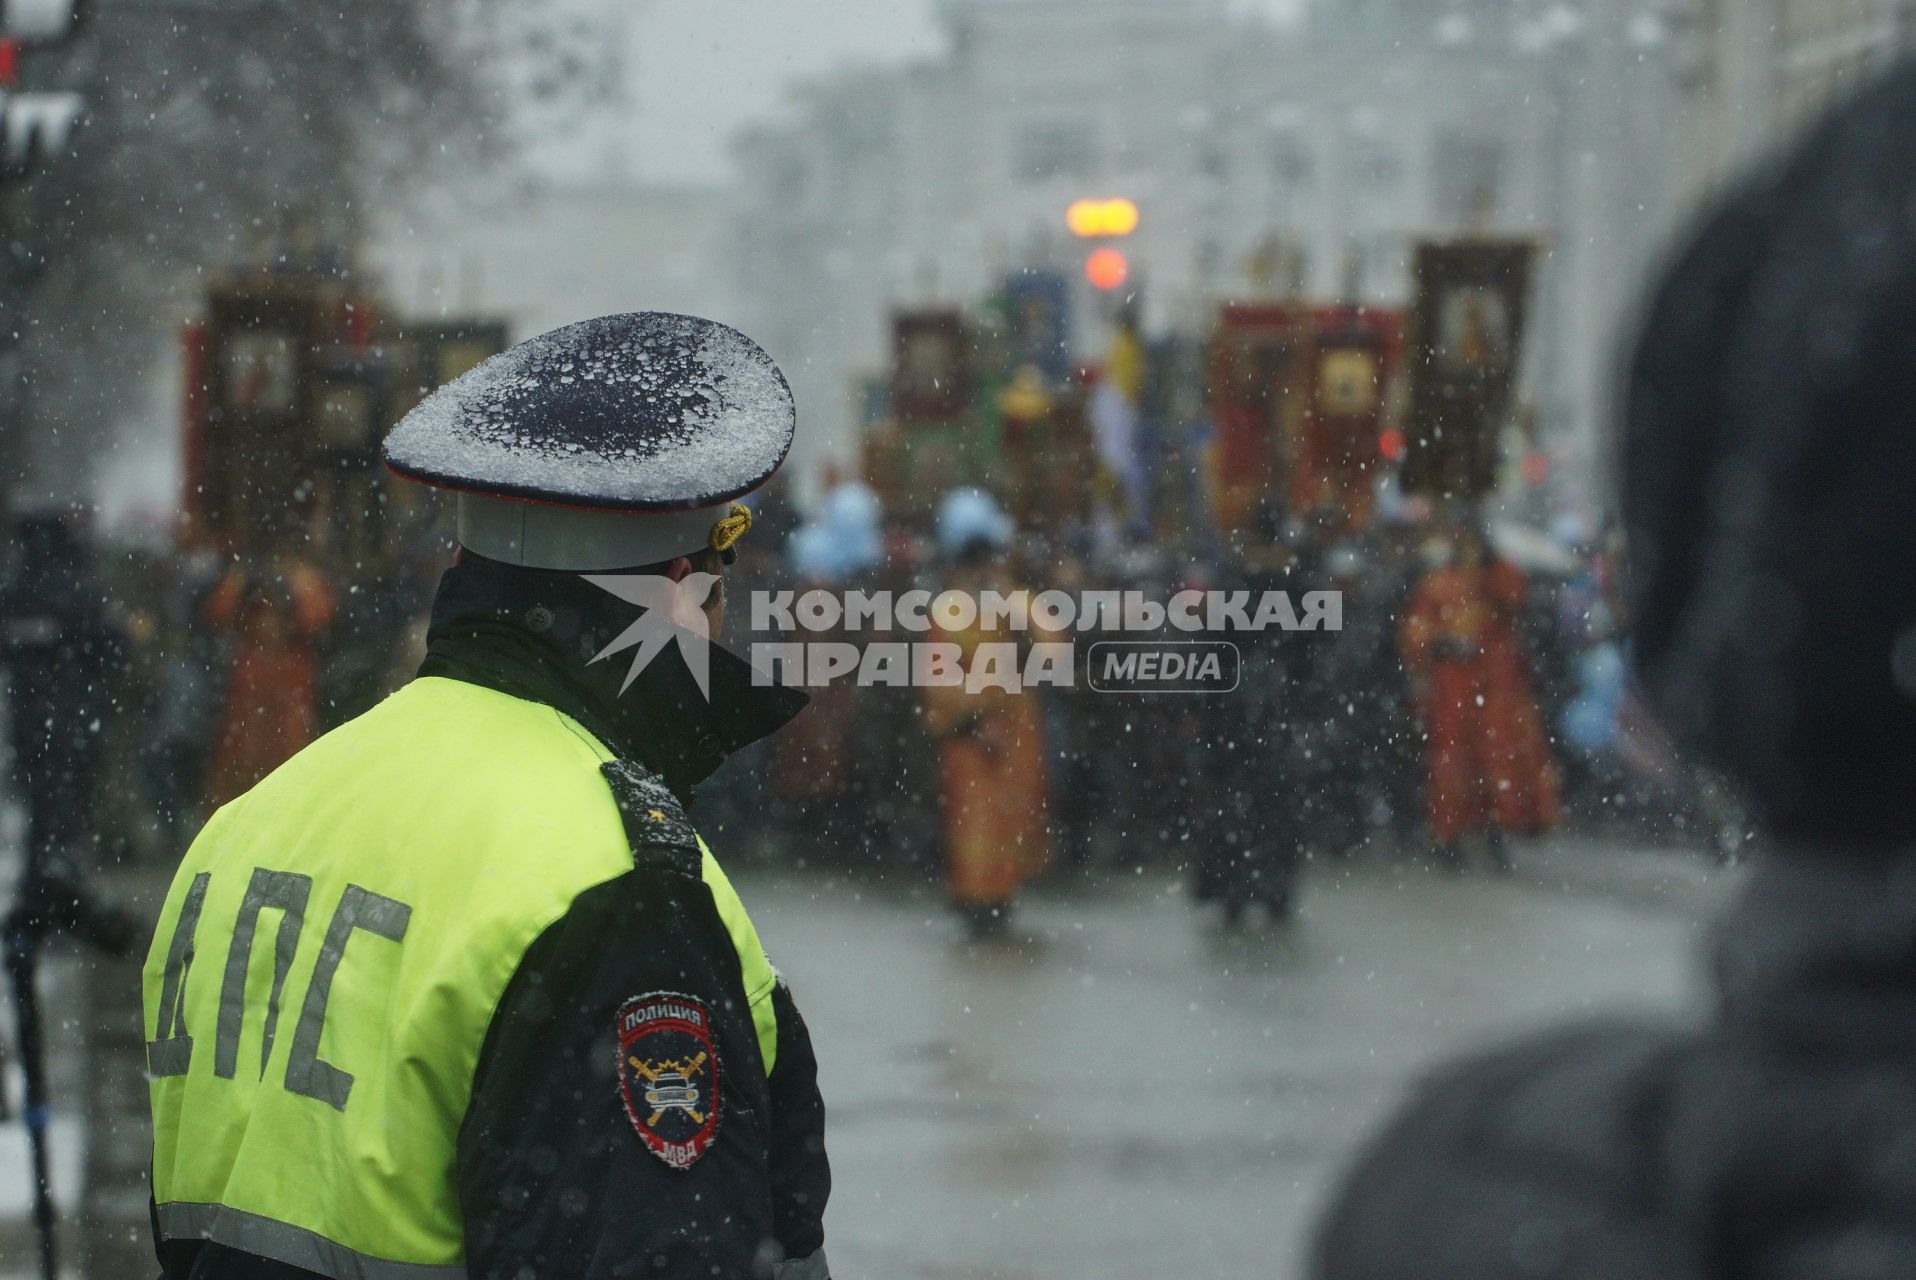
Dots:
(1260, 372)
(1354, 359)
(931, 369)
(431, 355)
(257, 349)
(350, 396)
(1469, 325)
(1025, 436)
(292, 380)
(453, 347)
(1054, 491)
(1038, 313)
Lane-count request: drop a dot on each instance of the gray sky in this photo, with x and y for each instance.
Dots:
(698, 69)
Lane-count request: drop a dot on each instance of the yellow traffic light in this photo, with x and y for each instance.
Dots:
(1095, 219)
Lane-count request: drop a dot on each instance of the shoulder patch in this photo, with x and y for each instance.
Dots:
(656, 824)
(669, 1075)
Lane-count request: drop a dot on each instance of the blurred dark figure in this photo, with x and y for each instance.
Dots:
(357, 668)
(897, 762)
(129, 818)
(1397, 752)
(814, 767)
(1309, 745)
(1074, 730)
(1358, 704)
(178, 735)
(1251, 844)
(1769, 467)
(1490, 768)
(60, 652)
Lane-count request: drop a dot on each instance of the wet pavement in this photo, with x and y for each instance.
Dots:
(1117, 1089)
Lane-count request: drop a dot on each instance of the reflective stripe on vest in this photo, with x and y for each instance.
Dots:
(283, 1242)
(329, 958)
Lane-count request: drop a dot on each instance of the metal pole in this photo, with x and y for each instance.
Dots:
(51, 901)
(22, 947)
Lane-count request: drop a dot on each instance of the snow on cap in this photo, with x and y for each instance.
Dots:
(637, 414)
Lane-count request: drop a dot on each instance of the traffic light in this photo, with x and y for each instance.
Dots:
(1106, 268)
(1101, 219)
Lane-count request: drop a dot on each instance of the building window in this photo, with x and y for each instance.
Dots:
(1044, 149)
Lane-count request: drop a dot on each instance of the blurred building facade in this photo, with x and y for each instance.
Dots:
(1752, 73)
(1248, 148)
(1827, 47)
(544, 253)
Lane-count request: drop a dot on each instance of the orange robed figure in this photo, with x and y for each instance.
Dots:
(993, 778)
(1490, 765)
(271, 707)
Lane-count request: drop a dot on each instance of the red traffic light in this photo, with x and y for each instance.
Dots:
(1393, 445)
(1106, 268)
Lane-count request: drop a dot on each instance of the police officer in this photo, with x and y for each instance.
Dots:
(458, 991)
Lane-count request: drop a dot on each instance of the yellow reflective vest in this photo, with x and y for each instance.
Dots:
(329, 958)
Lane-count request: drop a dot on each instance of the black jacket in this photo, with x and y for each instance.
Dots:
(554, 1182)
(1776, 1143)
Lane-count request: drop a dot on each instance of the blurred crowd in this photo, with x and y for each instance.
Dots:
(1474, 695)
(147, 686)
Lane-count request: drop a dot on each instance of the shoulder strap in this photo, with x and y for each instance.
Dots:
(656, 824)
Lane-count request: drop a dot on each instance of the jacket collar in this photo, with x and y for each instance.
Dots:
(533, 633)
